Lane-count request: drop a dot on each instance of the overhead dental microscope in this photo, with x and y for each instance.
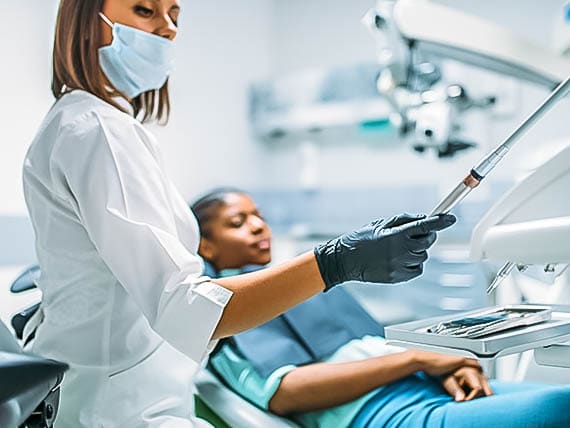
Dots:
(413, 37)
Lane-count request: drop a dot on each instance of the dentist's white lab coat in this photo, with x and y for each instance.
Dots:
(124, 302)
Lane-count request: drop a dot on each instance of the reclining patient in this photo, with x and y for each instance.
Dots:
(325, 363)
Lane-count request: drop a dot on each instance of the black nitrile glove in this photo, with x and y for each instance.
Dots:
(385, 251)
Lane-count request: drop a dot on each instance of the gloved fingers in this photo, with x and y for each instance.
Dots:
(412, 258)
(430, 224)
(421, 243)
(401, 219)
(410, 272)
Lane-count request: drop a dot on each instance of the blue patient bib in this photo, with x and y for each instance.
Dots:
(307, 333)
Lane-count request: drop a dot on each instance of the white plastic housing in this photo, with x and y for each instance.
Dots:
(450, 33)
(531, 223)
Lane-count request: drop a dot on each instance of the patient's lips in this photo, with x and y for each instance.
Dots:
(264, 244)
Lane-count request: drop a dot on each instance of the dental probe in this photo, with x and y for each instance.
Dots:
(486, 165)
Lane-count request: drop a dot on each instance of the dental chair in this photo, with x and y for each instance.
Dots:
(231, 408)
(26, 281)
(29, 386)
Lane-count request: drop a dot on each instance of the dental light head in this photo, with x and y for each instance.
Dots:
(414, 36)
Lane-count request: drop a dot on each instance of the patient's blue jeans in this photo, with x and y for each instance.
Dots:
(419, 402)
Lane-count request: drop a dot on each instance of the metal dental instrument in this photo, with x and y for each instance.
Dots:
(505, 270)
(489, 162)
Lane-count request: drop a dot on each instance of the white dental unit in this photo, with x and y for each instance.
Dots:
(530, 225)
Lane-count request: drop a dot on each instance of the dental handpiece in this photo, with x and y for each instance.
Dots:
(490, 161)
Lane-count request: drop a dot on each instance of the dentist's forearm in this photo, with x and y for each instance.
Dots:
(265, 294)
(382, 252)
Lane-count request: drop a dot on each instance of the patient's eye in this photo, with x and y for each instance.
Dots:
(237, 221)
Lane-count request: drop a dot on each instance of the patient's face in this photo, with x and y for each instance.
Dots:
(238, 235)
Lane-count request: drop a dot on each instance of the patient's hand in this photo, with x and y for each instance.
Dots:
(466, 384)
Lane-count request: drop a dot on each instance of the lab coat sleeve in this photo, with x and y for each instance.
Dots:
(113, 178)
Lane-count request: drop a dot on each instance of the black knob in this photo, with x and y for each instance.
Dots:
(49, 411)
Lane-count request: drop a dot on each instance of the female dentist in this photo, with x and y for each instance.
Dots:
(124, 299)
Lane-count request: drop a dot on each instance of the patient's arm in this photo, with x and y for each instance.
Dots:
(324, 385)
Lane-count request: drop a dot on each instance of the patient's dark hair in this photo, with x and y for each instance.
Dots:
(206, 207)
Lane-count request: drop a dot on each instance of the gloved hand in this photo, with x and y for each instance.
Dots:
(385, 251)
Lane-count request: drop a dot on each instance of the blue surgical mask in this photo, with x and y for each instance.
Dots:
(135, 61)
